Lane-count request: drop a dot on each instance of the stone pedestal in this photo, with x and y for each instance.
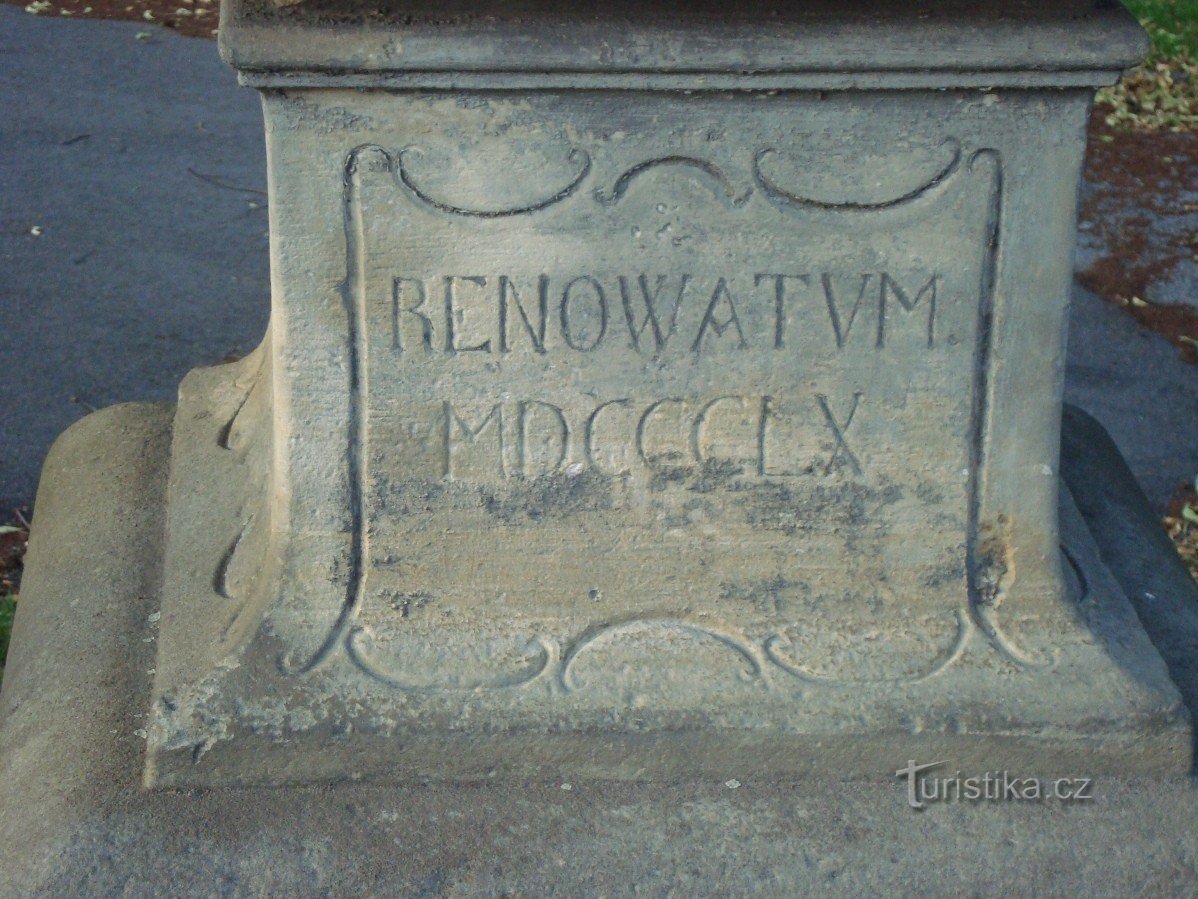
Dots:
(647, 392)
(650, 395)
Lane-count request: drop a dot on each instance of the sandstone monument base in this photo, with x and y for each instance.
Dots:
(655, 447)
(652, 391)
(76, 819)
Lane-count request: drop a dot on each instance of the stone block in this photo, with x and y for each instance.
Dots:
(649, 394)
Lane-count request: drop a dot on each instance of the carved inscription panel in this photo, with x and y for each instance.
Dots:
(607, 381)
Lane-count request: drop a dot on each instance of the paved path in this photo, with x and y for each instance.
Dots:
(142, 269)
(145, 266)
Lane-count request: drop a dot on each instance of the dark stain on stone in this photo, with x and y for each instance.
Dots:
(559, 495)
(947, 573)
(929, 493)
(791, 510)
(990, 565)
(711, 475)
(765, 595)
(410, 496)
(409, 601)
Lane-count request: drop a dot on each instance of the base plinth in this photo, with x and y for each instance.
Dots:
(76, 821)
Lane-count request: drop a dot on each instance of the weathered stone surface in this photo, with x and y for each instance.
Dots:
(608, 430)
(76, 822)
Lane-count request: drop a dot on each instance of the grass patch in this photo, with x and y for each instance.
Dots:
(1172, 25)
(1182, 524)
(14, 539)
(8, 608)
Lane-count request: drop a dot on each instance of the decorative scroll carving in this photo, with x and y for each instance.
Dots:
(220, 581)
(987, 621)
(597, 636)
(774, 652)
(986, 569)
(544, 654)
(580, 158)
(356, 470)
(229, 436)
(238, 572)
(720, 184)
(1083, 582)
(234, 438)
(789, 198)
